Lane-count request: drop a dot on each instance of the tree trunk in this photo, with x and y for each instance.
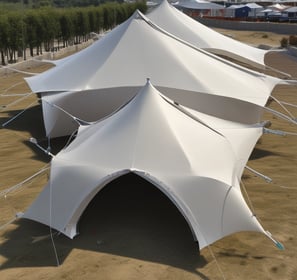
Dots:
(31, 51)
(25, 54)
(2, 58)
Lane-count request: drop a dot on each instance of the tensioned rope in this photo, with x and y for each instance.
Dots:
(268, 179)
(50, 224)
(216, 262)
(21, 184)
(11, 87)
(17, 70)
(20, 113)
(288, 104)
(248, 199)
(278, 244)
(16, 187)
(278, 132)
(283, 107)
(280, 115)
(4, 107)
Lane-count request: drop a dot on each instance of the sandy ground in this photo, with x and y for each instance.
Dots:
(254, 38)
(135, 232)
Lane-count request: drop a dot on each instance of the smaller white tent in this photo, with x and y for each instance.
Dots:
(278, 7)
(200, 5)
(255, 9)
(182, 26)
(194, 165)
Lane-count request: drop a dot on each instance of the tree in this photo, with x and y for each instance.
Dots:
(38, 28)
(66, 27)
(32, 21)
(81, 25)
(15, 35)
(51, 25)
(3, 37)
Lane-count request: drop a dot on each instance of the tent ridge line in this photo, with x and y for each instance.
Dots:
(158, 28)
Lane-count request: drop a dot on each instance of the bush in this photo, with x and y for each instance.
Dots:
(293, 40)
(284, 42)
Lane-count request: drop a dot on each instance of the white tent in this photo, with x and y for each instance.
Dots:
(198, 5)
(190, 30)
(99, 79)
(278, 7)
(255, 9)
(193, 164)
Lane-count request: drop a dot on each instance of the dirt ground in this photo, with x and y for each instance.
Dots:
(254, 38)
(135, 232)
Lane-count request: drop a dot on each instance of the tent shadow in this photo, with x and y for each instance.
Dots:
(30, 121)
(56, 144)
(129, 217)
(261, 153)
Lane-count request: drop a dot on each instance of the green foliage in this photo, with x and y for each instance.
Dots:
(4, 29)
(293, 40)
(284, 42)
(40, 28)
(36, 4)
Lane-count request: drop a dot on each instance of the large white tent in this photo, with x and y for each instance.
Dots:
(195, 165)
(174, 21)
(99, 79)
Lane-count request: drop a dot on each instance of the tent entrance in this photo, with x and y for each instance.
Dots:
(130, 211)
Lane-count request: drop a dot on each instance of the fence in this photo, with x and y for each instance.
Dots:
(280, 28)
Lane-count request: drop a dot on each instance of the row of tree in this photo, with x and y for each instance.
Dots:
(52, 3)
(44, 29)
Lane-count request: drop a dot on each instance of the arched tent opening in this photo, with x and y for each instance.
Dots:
(132, 212)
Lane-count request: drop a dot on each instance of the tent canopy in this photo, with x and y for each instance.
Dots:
(91, 80)
(174, 21)
(198, 5)
(186, 159)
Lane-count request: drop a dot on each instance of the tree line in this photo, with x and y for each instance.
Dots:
(53, 3)
(46, 28)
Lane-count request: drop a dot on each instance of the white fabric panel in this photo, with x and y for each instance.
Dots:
(89, 105)
(93, 105)
(190, 30)
(237, 218)
(166, 61)
(242, 137)
(192, 163)
(107, 74)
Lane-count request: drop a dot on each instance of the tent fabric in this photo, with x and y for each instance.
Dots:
(278, 6)
(198, 5)
(291, 10)
(191, 69)
(92, 105)
(174, 21)
(242, 137)
(254, 6)
(237, 11)
(195, 165)
(138, 46)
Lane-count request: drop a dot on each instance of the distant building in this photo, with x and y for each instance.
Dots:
(237, 11)
(199, 8)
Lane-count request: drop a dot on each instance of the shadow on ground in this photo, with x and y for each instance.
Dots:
(30, 120)
(261, 153)
(129, 217)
